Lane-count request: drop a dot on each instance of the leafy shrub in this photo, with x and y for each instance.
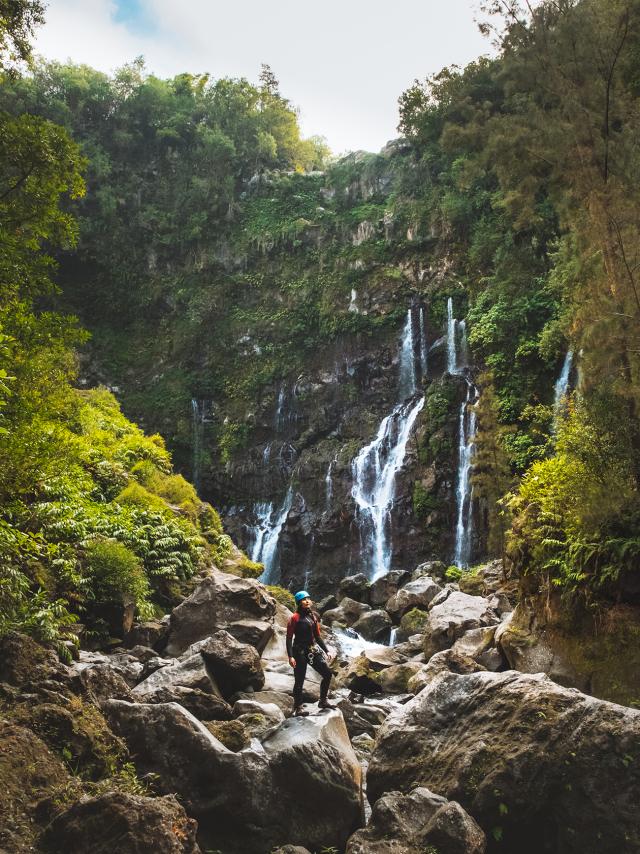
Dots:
(116, 573)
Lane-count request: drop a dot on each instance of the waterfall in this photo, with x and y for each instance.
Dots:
(328, 481)
(376, 465)
(452, 360)
(407, 383)
(562, 384)
(392, 636)
(266, 548)
(466, 433)
(197, 420)
(279, 418)
(423, 341)
(263, 511)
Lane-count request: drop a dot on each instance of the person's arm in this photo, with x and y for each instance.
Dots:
(291, 627)
(319, 641)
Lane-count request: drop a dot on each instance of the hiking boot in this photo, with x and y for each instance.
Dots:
(299, 712)
(325, 704)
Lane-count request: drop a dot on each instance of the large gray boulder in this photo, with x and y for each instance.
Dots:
(383, 588)
(204, 706)
(233, 666)
(129, 824)
(374, 626)
(415, 594)
(454, 617)
(548, 767)
(188, 672)
(347, 612)
(415, 823)
(221, 601)
(355, 587)
(302, 788)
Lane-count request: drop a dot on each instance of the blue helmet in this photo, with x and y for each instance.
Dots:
(300, 595)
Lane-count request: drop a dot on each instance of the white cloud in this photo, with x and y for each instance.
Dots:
(343, 62)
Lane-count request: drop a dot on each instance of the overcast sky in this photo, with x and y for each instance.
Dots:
(343, 63)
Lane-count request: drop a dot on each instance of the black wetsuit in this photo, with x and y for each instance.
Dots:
(306, 646)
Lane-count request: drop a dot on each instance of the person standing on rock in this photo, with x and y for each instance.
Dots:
(305, 646)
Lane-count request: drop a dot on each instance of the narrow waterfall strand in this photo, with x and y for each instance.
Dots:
(466, 433)
(452, 359)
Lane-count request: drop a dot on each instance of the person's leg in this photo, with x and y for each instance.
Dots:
(299, 672)
(320, 666)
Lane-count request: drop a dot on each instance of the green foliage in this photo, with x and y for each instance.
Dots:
(280, 594)
(116, 574)
(576, 513)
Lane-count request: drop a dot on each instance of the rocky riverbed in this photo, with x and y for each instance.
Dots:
(183, 741)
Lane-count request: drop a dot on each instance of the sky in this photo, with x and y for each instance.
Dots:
(342, 63)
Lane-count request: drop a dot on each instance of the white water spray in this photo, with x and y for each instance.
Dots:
(268, 529)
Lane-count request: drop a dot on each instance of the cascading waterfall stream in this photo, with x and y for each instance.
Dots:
(562, 387)
(452, 360)
(375, 467)
(456, 365)
(270, 524)
(328, 481)
(466, 432)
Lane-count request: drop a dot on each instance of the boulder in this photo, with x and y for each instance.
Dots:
(217, 603)
(29, 772)
(152, 633)
(355, 587)
(474, 642)
(304, 788)
(453, 618)
(383, 588)
(418, 822)
(373, 626)
(347, 612)
(103, 682)
(25, 662)
(435, 568)
(202, 705)
(283, 701)
(270, 711)
(415, 594)
(412, 623)
(522, 754)
(118, 821)
(256, 633)
(234, 666)
(361, 674)
(394, 680)
(326, 603)
(188, 672)
(356, 724)
(446, 661)
(530, 649)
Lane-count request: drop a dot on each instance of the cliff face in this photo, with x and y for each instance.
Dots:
(320, 321)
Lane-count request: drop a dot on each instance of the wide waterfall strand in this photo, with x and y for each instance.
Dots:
(375, 467)
(265, 550)
(464, 524)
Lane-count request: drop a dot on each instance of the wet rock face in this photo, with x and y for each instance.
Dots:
(306, 432)
(521, 754)
(123, 822)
